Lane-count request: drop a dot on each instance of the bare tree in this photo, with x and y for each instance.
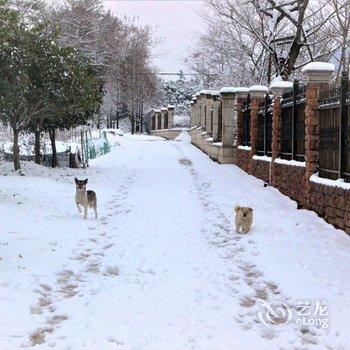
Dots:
(119, 51)
(266, 38)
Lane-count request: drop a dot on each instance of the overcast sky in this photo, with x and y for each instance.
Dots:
(176, 23)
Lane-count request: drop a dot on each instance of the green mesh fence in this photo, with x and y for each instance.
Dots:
(97, 147)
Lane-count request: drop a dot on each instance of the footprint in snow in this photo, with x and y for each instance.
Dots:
(111, 271)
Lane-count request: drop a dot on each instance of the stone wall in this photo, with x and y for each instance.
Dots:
(168, 134)
(290, 180)
(244, 159)
(261, 169)
(332, 203)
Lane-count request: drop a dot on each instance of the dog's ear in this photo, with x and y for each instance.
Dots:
(250, 209)
(76, 180)
(237, 208)
(85, 181)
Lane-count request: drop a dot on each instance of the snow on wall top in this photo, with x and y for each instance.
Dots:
(163, 109)
(280, 84)
(156, 111)
(242, 89)
(327, 182)
(215, 93)
(260, 88)
(171, 107)
(318, 67)
(228, 89)
(205, 92)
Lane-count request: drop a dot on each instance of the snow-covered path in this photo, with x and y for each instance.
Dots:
(162, 268)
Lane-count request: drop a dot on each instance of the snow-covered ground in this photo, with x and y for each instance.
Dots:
(161, 268)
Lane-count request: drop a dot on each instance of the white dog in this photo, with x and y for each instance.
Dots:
(244, 219)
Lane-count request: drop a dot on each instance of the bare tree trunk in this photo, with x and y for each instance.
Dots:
(54, 160)
(132, 121)
(37, 155)
(16, 162)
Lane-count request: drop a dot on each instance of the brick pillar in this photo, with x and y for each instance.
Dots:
(257, 94)
(171, 110)
(276, 127)
(157, 116)
(241, 97)
(317, 79)
(215, 105)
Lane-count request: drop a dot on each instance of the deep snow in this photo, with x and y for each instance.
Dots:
(162, 268)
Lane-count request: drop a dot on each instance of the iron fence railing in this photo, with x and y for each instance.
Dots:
(334, 112)
(293, 123)
(246, 121)
(264, 141)
(219, 138)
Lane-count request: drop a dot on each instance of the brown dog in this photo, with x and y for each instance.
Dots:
(244, 219)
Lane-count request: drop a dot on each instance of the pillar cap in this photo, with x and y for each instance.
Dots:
(280, 87)
(258, 91)
(215, 95)
(170, 107)
(192, 103)
(242, 92)
(228, 90)
(206, 93)
(163, 109)
(318, 72)
(156, 111)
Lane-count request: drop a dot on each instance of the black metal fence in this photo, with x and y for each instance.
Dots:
(264, 142)
(219, 138)
(335, 132)
(211, 122)
(247, 107)
(153, 122)
(166, 120)
(293, 123)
